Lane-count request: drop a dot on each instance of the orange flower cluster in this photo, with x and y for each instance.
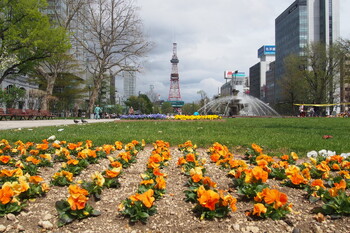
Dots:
(68, 175)
(269, 201)
(220, 155)
(78, 197)
(208, 198)
(146, 198)
(140, 206)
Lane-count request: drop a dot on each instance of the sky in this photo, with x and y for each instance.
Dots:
(211, 36)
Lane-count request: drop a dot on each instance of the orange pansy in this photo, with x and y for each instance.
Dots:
(318, 183)
(257, 148)
(6, 195)
(146, 198)
(161, 184)
(196, 177)
(190, 157)
(5, 159)
(77, 202)
(208, 199)
(259, 209)
(35, 179)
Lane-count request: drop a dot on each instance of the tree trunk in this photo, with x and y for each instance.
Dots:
(49, 90)
(94, 94)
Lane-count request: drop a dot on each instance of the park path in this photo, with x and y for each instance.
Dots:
(15, 124)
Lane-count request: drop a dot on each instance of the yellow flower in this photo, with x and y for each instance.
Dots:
(98, 178)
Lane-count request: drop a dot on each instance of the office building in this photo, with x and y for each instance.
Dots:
(303, 22)
(129, 84)
(257, 73)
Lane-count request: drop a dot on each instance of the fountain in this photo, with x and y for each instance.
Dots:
(238, 104)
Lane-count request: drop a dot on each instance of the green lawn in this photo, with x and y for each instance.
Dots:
(276, 135)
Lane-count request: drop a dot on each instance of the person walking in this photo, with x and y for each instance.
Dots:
(97, 111)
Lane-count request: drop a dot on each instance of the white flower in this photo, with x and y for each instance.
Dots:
(57, 142)
(331, 153)
(52, 138)
(323, 153)
(312, 154)
(345, 155)
(59, 130)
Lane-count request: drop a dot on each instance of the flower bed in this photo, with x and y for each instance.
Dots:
(144, 117)
(258, 186)
(197, 117)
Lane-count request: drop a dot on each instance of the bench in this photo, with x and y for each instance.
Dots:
(33, 114)
(17, 114)
(3, 114)
(45, 114)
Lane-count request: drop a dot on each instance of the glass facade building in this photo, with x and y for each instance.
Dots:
(303, 22)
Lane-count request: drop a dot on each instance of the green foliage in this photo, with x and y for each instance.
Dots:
(11, 207)
(66, 215)
(250, 190)
(205, 213)
(35, 190)
(27, 34)
(11, 96)
(61, 181)
(93, 189)
(337, 206)
(140, 103)
(190, 108)
(136, 211)
(166, 108)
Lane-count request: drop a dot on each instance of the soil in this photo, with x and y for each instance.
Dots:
(173, 213)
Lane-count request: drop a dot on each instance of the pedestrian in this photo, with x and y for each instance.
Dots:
(131, 111)
(301, 110)
(97, 112)
(312, 112)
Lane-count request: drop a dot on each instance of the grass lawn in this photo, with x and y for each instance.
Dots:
(276, 135)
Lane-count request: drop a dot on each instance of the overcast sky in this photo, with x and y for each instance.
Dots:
(211, 36)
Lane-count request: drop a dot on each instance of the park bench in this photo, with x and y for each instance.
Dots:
(17, 114)
(3, 114)
(45, 114)
(33, 114)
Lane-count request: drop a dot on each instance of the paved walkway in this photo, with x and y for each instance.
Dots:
(14, 124)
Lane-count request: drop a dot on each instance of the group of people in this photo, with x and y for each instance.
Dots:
(310, 112)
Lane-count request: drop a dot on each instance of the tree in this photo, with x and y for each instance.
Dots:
(322, 67)
(140, 103)
(167, 108)
(66, 92)
(317, 70)
(293, 83)
(27, 36)
(11, 96)
(344, 71)
(190, 108)
(114, 40)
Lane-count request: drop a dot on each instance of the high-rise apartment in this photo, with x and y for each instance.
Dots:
(303, 22)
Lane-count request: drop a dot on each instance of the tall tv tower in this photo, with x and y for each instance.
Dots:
(174, 92)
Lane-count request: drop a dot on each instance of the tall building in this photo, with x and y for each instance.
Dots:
(303, 22)
(257, 73)
(129, 84)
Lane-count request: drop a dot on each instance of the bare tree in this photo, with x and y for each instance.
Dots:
(114, 40)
